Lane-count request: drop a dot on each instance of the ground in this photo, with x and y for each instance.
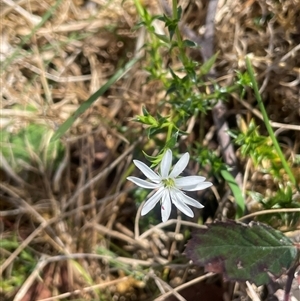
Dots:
(69, 198)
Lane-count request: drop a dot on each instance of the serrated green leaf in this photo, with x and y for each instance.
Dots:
(242, 252)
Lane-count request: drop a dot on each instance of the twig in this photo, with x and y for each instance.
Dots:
(257, 113)
(290, 278)
(43, 225)
(185, 285)
(85, 289)
(21, 247)
(12, 212)
(59, 172)
(118, 235)
(58, 78)
(102, 174)
(29, 281)
(174, 243)
(252, 293)
(53, 238)
(270, 211)
(168, 223)
(6, 167)
(33, 19)
(126, 260)
(160, 283)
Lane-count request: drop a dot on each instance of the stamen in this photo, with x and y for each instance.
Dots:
(168, 183)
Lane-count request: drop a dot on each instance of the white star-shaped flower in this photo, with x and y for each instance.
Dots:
(169, 186)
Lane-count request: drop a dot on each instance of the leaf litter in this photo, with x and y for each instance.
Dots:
(72, 213)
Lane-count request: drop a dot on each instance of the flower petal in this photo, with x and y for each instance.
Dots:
(152, 201)
(165, 164)
(166, 206)
(200, 186)
(178, 202)
(147, 171)
(180, 165)
(189, 182)
(190, 201)
(143, 183)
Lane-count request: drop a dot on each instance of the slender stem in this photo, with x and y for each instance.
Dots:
(178, 35)
(267, 122)
(170, 129)
(290, 278)
(174, 8)
(139, 8)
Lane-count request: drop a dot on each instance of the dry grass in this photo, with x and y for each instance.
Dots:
(72, 209)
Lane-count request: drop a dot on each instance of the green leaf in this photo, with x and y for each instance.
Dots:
(179, 12)
(145, 112)
(154, 160)
(162, 37)
(30, 143)
(205, 68)
(236, 192)
(83, 107)
(189, 43)
(242, 252)
(172, 141)
(149, 120)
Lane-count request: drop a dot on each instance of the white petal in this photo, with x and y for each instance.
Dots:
(178, 202)
(180, 165)
(147, 171)
(201, 186)
(188, 200)
(166, 206)
(143, 183)
(165, 164)
(189, 182)
(151, 202)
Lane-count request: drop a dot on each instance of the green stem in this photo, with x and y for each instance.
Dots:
(139, 8)
(267, 122)
(174, 9)
(170, 129)
(177, 32)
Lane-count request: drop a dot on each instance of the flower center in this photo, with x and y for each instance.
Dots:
(168, 183)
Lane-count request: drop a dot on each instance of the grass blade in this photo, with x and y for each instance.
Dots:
(83, 107)
(238, 196)
(267, 122)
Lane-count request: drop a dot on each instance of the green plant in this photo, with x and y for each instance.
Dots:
(24, 265)
(188, 95)
(31, 145)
